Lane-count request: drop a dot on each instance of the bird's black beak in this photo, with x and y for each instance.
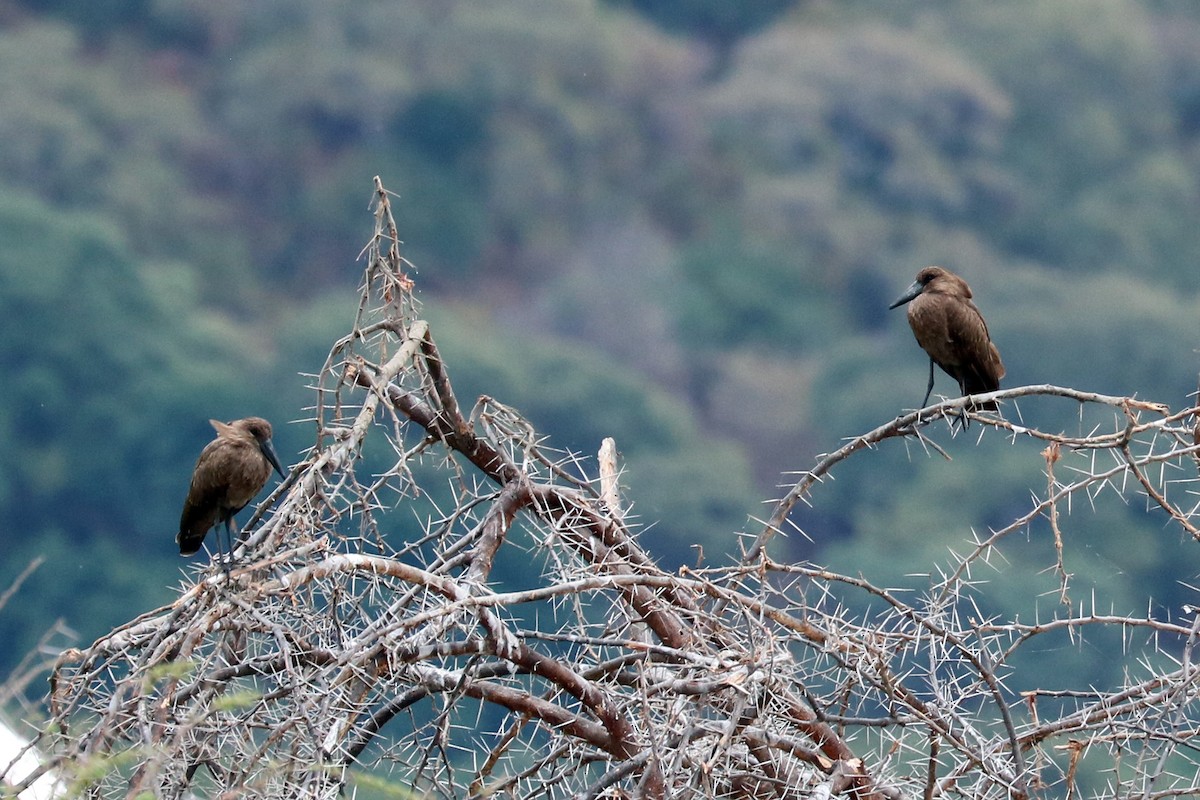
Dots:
(268, 450)
(909, 294)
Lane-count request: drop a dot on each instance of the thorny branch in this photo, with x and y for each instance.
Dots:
(371, 624)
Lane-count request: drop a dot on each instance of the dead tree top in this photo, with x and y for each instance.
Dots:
(363, 631)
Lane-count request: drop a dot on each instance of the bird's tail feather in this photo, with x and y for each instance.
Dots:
(981, 383)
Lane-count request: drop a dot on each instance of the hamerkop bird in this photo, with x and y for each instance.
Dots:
(231, 469)
(951, 330)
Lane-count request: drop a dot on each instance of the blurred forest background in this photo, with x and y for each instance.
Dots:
(674, 223)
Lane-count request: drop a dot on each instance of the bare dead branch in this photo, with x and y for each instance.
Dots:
(373, 622)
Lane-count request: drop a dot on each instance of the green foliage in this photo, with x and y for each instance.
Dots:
(1110, 333)
(445, 128)
(112, 372)
(106, 136)
(720, 309)
(370, 787)
(1094, 140)
(870, 111)
(85, 776)
(95, 17)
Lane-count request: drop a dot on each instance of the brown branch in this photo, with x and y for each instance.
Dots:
(1157, 496)
(550, 714)
(499, 519)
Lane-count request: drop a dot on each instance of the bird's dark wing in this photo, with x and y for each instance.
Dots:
(976, 363)
(197, 519)
(952, 331)
(982, 368)
(213, 495)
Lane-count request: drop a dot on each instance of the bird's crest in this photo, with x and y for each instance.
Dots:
(222, 428)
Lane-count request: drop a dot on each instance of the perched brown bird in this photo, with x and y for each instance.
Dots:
(231, 469)
(951, 330)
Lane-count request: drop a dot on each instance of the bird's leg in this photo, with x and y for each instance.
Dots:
(963, 419)
(929, 388)
(228, 562)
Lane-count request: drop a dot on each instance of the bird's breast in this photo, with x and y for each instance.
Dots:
(231, 473)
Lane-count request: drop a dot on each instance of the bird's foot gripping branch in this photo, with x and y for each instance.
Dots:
(439, 602)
